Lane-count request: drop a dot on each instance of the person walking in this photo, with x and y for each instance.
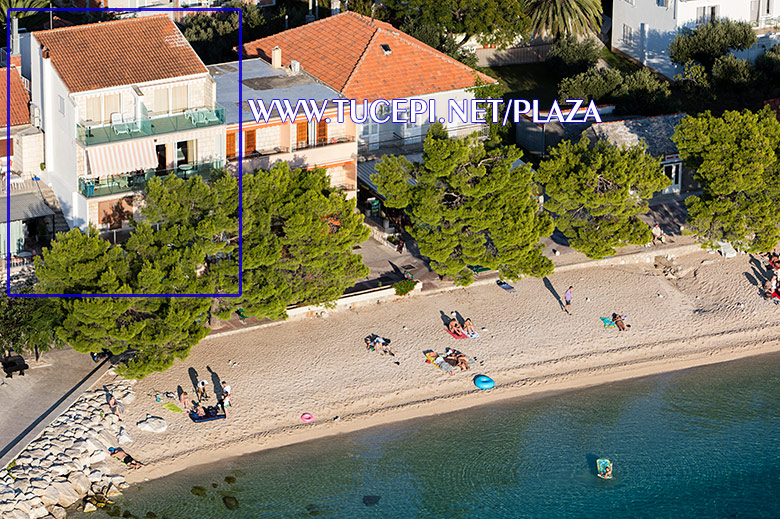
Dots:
(567, 300)
(202, 392)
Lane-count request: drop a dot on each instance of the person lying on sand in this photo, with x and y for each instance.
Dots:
(618, 320)
(468, 328)
(460, 359)
(455, 327)
(198, 410)
(374, 342)
(125, 458)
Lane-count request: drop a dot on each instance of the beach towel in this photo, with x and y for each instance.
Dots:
(607, 322)
(438, 361)
(456, 335)
(506, 286)
(170, 406)
(472, 335)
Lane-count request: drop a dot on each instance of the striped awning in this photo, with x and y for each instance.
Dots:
(125, 157)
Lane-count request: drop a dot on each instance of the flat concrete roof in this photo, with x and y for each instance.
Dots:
(24, 206)
(259, 80)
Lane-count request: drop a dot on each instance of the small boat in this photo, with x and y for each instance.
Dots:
(601, 468)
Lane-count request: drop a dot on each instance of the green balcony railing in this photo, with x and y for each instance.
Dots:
(148, 127)
(130, 182)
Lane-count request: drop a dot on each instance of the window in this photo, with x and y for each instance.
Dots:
(179, 103)
(662, 3)
(250, 142)
(707, 14)
(630, 2)
(302, 134)
(112, 104)
(230, 149)
(768, 7)
(322, 132)
(94, 109)
(161, 101)
(628, 34)
(62, 105)
(185, 153)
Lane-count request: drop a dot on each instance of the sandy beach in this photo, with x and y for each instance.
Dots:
(528, 345)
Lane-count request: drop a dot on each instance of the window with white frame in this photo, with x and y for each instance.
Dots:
(94, 111)
(179, 98)
(662, 3)
(628, 34)
(707, 14)
(112, 104)
(62, 105)
(161, 101)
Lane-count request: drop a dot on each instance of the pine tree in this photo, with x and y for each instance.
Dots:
(469, 207)
(597, 193)
(736, 158)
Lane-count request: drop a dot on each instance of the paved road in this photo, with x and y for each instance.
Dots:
(30, 403)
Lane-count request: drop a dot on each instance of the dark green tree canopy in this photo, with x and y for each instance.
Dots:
(570, 56)
(711, 40)
(597, 192)
(469, 206)
(736, 161)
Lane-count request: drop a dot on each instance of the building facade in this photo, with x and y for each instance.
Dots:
(644, 29)
(137, 104)
(302, 143)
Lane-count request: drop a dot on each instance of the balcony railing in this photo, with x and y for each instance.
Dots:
(137, 181)
(151, 126)
(322, 142)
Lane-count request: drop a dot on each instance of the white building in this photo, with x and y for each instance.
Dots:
(643, 29)
(120, 103)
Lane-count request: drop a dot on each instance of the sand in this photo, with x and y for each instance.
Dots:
(528, 345)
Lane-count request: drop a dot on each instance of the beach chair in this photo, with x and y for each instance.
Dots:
(607, 322)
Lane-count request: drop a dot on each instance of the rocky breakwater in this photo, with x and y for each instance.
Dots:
(69, 461)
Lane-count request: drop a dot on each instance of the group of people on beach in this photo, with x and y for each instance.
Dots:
(771, 260)
(198, 410)
(462, 330)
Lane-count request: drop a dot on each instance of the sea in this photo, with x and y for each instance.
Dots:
(698, 443)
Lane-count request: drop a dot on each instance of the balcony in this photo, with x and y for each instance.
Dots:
(117, 184)
(151, 126)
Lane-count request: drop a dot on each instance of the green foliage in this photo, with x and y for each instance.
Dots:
(440, 40)
(593, 84)
(299, 233)
(569, 56)
(27, 323)
(404, 287)
(711, 40)
(498, 133)
(560, 18)
(736, 161)
(5, 5)
(732, 73)
(496, 22)
(643, 93)
(469, 207)
(768, 67)
(597, 193)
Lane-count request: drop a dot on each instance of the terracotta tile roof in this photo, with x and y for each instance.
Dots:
(20, 99)
(123, 52)
(345, 52)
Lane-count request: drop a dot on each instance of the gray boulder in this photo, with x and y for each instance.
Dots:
(153, 424)
(58, 512)
(67, 494)
(80, 482)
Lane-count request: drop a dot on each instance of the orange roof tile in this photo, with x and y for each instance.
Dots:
(123, 52)
(20, 99)
(345, 52)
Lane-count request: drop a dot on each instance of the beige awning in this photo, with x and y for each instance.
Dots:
(126, 157)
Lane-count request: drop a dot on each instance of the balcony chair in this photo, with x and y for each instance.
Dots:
(119, 127)
(131, 123)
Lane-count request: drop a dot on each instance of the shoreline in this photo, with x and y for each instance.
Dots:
(527, 387)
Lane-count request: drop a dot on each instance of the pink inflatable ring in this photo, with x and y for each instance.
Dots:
(306, 417)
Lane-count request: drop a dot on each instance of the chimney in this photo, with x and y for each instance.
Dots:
(276, 57)
(310, 16)
(45, 52)
(15, 37)
(335, 7)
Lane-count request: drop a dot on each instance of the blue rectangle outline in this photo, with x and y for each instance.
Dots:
(8, 145)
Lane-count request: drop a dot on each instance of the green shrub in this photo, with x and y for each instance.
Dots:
(594, 84)
(404, 287)
(643, 93)
(732, 72)
(711, 40)
(569, 56)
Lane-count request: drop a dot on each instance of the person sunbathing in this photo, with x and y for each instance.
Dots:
(460, 359)
(618, 320)
(455, 327)
(370, 344)
(468, 328)
(198, 410)
(125, 458)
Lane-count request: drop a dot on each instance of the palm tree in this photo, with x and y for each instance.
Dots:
(20, 4)
(559, 18)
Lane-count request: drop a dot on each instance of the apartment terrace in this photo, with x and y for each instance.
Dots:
(123, 127)
(127, 183)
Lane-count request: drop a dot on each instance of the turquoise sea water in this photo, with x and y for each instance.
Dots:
(697, 443)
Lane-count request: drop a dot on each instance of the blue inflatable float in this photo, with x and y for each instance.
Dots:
(484, 382)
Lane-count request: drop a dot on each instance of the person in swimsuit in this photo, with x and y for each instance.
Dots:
(121, 455)
(455, 327)
(618, 320)
(468, 327)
